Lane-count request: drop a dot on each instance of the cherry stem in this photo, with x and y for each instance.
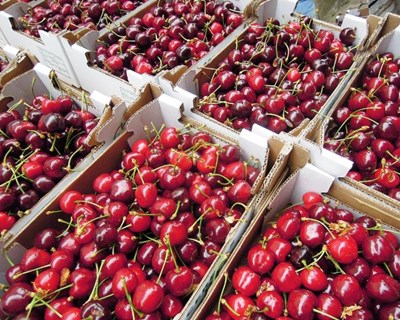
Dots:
(31, 305)
(325, 314)
(152, 239)
(320, 222)
(225, 303)
(129, 298)
(10, 262)
(388, 269)
(338, 267)
(222, 292)
(317, 257)
(240, 204)
(95, 292)
(15, 276)
(163, 266)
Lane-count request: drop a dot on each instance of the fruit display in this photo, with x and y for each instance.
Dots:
(366, 127)
(57, 16)
(276, 75)
(137, 244)
(41, 141)
(317, 261)
(168, 35)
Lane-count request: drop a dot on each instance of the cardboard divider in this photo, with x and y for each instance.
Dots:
(187, 87)
(290, 192)
(81, 53)
(381, 27)
(42, 80)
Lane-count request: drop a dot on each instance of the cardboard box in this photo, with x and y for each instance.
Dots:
(290, 192)
(47, 49)
(167, 110)
(317, 132)
(42, 80)
(191, 82)
(81, 53)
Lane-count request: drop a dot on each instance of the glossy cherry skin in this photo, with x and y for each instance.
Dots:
(383, 288)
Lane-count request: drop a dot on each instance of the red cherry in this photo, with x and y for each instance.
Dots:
(179, 281)
(271, 303)
(285, 277)
(301, 303)
(34, 258)
(377, 249)
(148, 297)
(124, 281)
(310, 198)
(260, 259)
(383, 288)
(146, 194)
(329, 305)
(314, 279)
(343, 249)
(246, 281)
(239, 306)
(347, 289)
(47, 281)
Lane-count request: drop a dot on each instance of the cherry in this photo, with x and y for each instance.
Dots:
(179, 282)
(285, 277)
(124, 281)
(34, 258)
(246, 281)
(383, 288)
(347, 289)
(260, 259)
(16, 298)
(314, 279)
(312, 234)
(148, 296)
(329, 305)
(239, 306)
(301, 303)
(47, 281)
(377, 249)
(82, 280)
(343, 249)
(271, 303)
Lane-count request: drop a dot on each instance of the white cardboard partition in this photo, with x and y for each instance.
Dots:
(93, 78)
(323, 159)
(308, 178)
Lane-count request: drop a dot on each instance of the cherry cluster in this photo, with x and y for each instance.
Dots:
(277, 75)
(38, 147)
(179, 32)
(317, 262)
(58, 15)
(3, 63)
(136, 247)
(366, 129)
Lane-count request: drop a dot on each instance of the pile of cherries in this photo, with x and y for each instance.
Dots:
(366, 129)
(277, 75)
(136, 247)
(179, 32)
(317, 262)
(38, 147)
(58, 15)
